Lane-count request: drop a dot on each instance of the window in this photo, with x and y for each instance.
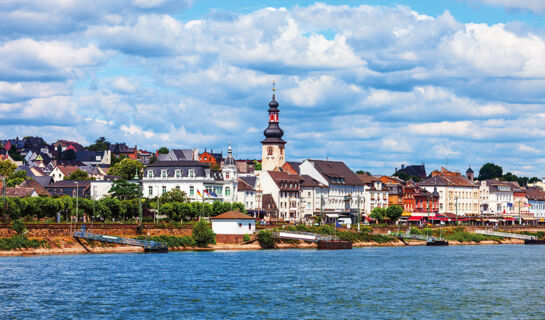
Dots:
(178, 187)
(192, 173)
(191, 190)
(269, 151)
(227, 191)
(163, 173)
(240, 225)
(150, 174)
(250, 226)
(227, 175)
(178, 173)
(164, 189)
(150, 190)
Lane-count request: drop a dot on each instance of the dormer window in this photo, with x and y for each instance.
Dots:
(227, 175)
(150, 174)
(207, 172)
(163, 173)
(178, 173)
(192, 173)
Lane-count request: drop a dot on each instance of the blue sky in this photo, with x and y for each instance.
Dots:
(373, 83)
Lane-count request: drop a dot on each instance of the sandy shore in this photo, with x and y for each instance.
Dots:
(68, 245)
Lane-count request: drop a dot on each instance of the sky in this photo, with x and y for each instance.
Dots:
(375, 83)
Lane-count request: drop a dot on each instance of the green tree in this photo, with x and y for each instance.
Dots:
(122, 189)
(490, 171)
(203, 234)
(14, 154)
(266, 239)
(69, 155)
(174, 195)
(163, 150)
(378, 214)
(115, 160)
(7, 168)
(257, 165)
(363, 172)
(126, 168)
(394, 213)
(16, 178)
(405, 177)
(78, 175)
(534, 180)
(101, 144)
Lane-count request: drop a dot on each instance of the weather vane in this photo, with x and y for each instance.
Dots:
(274, 85)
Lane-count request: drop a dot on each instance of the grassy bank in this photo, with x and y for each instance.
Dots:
(19, 242)
(455, 234)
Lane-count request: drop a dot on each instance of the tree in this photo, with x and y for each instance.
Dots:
(257, 165)
(79, 175)
(378, 214)
(115, 160)
(101, 144)
(163, 150)
(19, 227)
(363, 172)
(534, 180)
(126, 168)
(123, 190)
(69, 155)
(7, 168)
(14, 154)
(394, 212)
(16, 178)
(203, 234)
(490, 171)
(174, 195)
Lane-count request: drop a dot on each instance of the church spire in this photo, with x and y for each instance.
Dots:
(273, 133)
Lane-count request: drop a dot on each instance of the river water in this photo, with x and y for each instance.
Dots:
(458, 282)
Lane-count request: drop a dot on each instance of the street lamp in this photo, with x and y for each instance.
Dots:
(77, 202)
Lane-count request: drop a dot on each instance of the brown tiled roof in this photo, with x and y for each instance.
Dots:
(535, 194)
(233, 215)
(40, 190)
(19, 192)
(333, 170)
(442, 180)
(308, 181)
(244, 186)
(67, 170)
(365, 178)
(285, 181)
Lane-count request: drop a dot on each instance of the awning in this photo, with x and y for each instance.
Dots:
(529, 218)
(491, 220)
(415, 219)
(508, 219)
(332, 215)
(405, 213)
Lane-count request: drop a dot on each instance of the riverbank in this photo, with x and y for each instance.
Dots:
(69, 245)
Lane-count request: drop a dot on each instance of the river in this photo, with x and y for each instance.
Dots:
(458, 282)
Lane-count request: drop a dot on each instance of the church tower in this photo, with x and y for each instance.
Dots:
(272, 151)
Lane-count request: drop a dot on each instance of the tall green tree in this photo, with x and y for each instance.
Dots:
(490, 171)
(101, 144)
(126, 168)
(394, 213)
(378, 214)
(163, 150)
(123, 190)
(174, 195)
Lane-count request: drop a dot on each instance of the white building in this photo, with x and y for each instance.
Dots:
(285, 191)
(496, 197)
(375, 193)
(233, 222)
(536, 201)
(457, 195)
(314, 195)
(344, 186)
(246, 192)
(196, 179)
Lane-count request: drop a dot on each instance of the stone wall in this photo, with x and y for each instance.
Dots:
(66, 230)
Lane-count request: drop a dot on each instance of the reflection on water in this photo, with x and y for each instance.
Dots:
(459, 282)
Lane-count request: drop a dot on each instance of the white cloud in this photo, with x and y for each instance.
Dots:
(123, 85)
(537, 6)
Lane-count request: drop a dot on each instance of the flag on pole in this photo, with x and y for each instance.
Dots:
(206, 192)
(199, 192)
(213, 194)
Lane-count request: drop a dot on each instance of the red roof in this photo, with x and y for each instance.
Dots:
(233, 215)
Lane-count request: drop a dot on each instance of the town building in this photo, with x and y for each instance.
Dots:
(496, 197)
(313, 196)
(247, 194)
(457, 195)
(179, 155)
(213, 159)
(198, 180)
(536, 202)
(273, 147)
(418, 170)
(345, 189)
(71, 188)
(375, 193)
(233, 222)
(61, 172)
(285, 190)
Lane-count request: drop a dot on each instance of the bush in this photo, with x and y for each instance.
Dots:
(19, 227)
(246, 238)
(266, 239)
(21, 242)
(203, 234)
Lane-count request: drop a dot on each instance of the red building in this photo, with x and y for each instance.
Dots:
(214, 159)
